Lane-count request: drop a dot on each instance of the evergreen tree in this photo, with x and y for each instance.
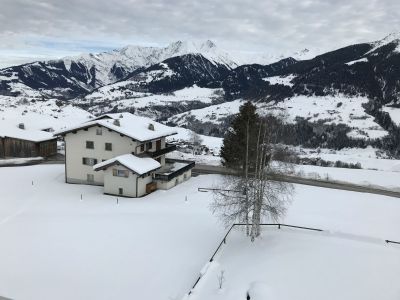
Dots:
(244, 126)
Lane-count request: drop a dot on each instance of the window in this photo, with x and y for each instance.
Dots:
(89, 145)
(89, 161)
(120, 173)
(99, 131)
(108, 146)
(149, 145)
(141, 147)
(90, 177)
(120, 191)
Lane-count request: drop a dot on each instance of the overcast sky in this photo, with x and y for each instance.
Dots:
(40, 29)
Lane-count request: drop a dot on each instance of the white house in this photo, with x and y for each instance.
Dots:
(123, 152)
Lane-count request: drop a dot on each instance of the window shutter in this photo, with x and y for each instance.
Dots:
(84, 160)
(114, 172)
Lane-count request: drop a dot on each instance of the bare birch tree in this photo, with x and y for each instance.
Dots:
(253, 196)
(196, 141)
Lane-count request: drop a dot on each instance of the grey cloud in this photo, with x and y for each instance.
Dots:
(252, 25)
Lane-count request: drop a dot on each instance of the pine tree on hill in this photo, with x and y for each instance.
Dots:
(245, 125)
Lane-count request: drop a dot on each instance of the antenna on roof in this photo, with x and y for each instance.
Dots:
(151, 127)
(116, 122)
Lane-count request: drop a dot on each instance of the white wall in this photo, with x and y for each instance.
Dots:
(128, 184)
(113, 183)
(142, 184)
(75, 145)
(166, 185)
(75, 150)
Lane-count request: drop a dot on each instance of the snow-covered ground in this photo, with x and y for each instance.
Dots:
(291, 264)
(282, 80)
(19, 161)
(369, 158)
(337, 109)
(55, 246)
(214, 113)
(370, 178)
(118, 95)
(394, 113)
(183, 134)
(203, 159)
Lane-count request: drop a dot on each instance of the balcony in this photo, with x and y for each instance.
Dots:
(168, 148)
(172, 169)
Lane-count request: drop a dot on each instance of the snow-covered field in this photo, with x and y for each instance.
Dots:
(337, 109)
(55, 246)
(292, 264)
(117, 95)
(198, 158)
(20, 161)
(369, 158)
(370, 178)
(394, 113)
(214, 113)
(183, 134)
(282, 80)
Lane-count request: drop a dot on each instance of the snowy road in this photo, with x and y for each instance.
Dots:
(207, 169)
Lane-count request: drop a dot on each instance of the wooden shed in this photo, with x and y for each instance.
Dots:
(16, 141)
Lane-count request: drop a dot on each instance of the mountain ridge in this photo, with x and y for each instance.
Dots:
(356, 89)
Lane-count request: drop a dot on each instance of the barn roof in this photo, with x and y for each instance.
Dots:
(135, 127)
(139, 165)
(13, 131)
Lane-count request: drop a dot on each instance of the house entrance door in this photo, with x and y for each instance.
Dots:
(158, 145)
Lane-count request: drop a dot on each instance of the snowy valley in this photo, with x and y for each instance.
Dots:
(339, 112)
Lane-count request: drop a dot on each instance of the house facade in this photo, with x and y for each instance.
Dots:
(96, 153)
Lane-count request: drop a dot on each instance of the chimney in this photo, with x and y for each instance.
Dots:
(151, 127)
(116, 122)
(21, 126)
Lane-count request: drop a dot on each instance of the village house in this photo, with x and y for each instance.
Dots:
(124, 153)
(18, 141)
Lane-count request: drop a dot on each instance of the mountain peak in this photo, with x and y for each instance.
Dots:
(188, 46)
(393, 37)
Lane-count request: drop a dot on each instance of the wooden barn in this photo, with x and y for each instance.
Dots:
(16, 141)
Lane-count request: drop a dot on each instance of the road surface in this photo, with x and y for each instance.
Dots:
(207, 169)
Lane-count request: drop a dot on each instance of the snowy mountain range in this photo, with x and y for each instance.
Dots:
(74, 76)
(344, 98)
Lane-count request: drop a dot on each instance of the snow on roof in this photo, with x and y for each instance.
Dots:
(139, 165)
(135, 127)
(13, 131)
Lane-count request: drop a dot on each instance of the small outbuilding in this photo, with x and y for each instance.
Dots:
(16, 141)
(128, 175)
